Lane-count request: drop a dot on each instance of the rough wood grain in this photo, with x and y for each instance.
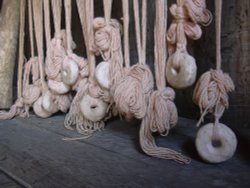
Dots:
(9, 19)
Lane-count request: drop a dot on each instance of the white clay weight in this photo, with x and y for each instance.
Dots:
(93, 109)
(185, 75)
(102, 74)
(70, 71)
(48, 103)
(215, 144)
(39, 110)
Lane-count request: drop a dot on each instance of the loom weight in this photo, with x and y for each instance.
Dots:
(102, 74)
(70, 71)
(215, 143)
(184, 74)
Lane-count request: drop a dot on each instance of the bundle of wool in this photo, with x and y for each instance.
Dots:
(107, 42)
(188, 14)
(160, 117)
(132, 93)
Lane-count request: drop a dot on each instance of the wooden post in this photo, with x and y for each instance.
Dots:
(9, 22)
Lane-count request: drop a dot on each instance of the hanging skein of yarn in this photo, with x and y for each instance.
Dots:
(211, 95)
(56, 52)
(162, 113)
(188, 14)
(89, 106)
(38, 108)
(18, 107)
(132, 93)
(107, 42)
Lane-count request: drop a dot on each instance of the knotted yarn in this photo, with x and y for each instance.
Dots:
(132, 93)
(181, 67)
(160, 120)
(211, 90)
(107, 42)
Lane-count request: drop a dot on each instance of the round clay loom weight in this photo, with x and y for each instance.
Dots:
(93, 109)
(70, 71)
(185, 75)
(102, 74)
(48, 103)
(217, 149)
(38, 109)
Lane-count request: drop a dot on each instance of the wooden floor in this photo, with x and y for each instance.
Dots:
(34, 154)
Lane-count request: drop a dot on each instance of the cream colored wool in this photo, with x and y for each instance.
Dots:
(107, 42)
(37, 7)
(211, 94)
(87, 87)
(161, 113)
(188, 14)
(132, 93)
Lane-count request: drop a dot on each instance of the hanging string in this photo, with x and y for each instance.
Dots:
(218, 10)
(38, 20)
(67, 4)
(46, 5)
(107, 9)
(125, 6)
(57, 8)
(31, 34)
(211, 89)
(21, 48)
(160, 44)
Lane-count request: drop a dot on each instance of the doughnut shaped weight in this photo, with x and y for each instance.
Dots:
(93, 109)
(102, 74)
(215, 144)
(39, 110)
(185, 75)
(70, 71)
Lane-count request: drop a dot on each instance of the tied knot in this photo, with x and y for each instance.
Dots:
(168, 94)
(197, 11)
(106, 37)
(179, 13)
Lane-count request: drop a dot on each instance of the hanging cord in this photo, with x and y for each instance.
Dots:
(141, 31)
(21, 48)
(46, 7)
(17, 108)
(57, 9)
(162, 113)
(38, 20)
(107, 9)
(211, 89)
(125, 6)
(68, 10)
(31, 34)
(160, 44)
